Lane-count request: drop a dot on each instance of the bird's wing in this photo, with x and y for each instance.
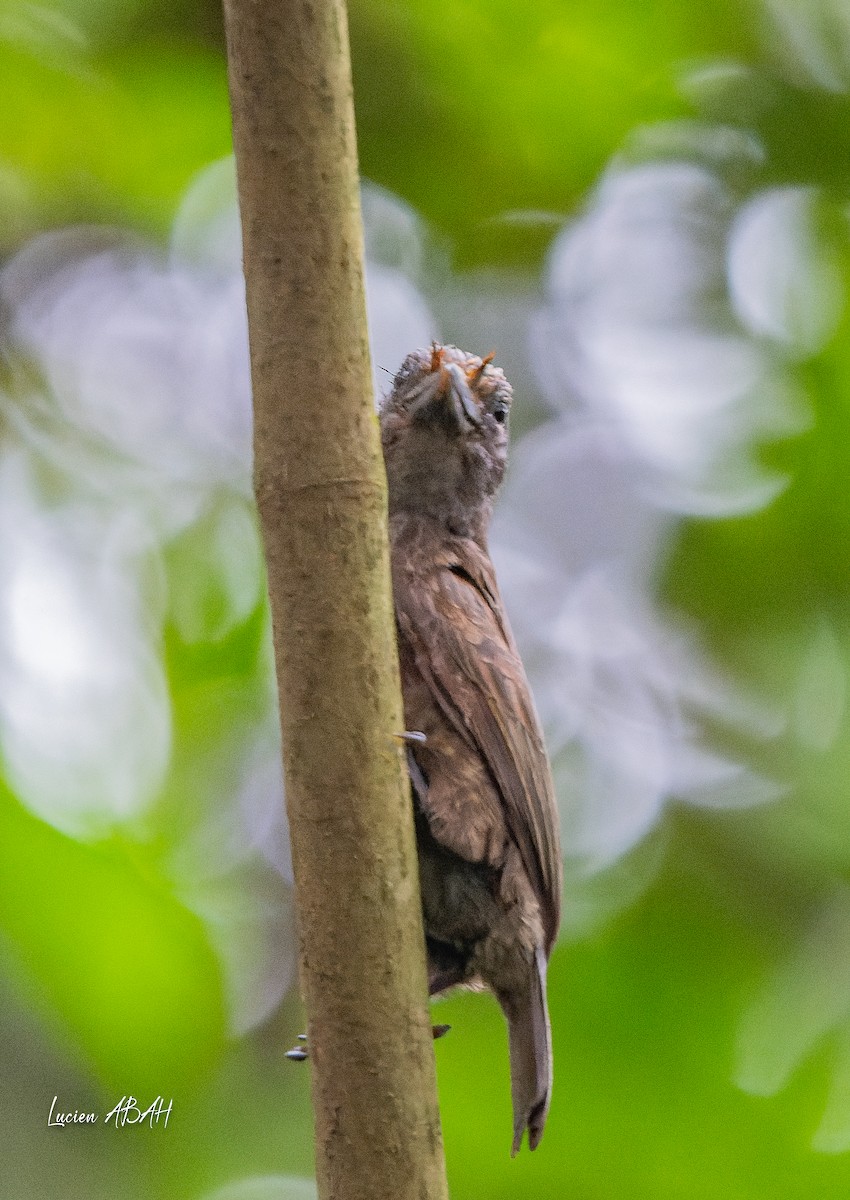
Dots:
(457, 631)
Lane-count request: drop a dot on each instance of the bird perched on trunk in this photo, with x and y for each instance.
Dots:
(487, 826)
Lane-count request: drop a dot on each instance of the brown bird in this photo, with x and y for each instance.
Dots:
(487, 825)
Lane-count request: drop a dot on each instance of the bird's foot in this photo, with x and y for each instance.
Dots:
(298, 1053)
(301, 1053)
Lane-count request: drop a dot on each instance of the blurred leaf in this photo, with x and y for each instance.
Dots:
(114, 954)
(116, 139)
(470, 109)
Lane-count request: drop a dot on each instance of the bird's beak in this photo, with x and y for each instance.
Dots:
(445, 395)
(461, 397)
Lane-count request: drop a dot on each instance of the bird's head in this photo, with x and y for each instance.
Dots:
(444, 429)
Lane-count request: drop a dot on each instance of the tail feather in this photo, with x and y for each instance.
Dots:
(531, 1055)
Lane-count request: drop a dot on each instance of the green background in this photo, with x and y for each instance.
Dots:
(735, 939)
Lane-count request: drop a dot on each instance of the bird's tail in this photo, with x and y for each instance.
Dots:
(531, 1055)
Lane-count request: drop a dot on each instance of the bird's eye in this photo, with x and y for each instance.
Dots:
(500, 413)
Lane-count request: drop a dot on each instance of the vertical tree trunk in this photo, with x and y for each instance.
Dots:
(320, 487)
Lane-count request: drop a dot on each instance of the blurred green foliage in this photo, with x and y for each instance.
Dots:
(468, 110)
(124, 964)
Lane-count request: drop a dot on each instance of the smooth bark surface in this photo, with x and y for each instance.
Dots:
(321, 491)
